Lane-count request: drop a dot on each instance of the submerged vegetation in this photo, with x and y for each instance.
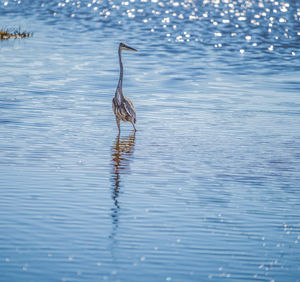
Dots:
(6, 34)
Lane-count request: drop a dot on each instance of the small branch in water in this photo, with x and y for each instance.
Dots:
(6, 34)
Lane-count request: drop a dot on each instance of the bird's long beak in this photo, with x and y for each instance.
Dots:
(130, 48)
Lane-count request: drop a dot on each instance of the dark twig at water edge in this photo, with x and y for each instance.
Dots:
(6, 34)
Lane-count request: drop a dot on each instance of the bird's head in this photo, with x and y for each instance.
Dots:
(124, 46)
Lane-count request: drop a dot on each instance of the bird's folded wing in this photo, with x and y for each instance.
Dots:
(130, 109)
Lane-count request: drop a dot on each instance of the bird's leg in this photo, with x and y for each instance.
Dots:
(134, 127)
(118, 124)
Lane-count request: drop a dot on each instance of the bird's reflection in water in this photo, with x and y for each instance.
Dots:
(122, 151)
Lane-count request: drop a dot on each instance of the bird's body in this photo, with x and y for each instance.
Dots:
(122, 106)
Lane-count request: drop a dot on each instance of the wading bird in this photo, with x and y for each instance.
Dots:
(122, 106)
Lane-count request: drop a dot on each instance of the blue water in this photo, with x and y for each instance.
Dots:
(208, 189)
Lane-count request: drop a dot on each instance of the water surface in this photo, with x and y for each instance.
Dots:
(206, 189)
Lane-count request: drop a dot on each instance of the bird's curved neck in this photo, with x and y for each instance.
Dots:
(121, 70)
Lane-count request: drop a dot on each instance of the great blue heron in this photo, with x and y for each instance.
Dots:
(122, 106)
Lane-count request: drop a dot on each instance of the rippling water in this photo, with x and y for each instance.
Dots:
(207, 189)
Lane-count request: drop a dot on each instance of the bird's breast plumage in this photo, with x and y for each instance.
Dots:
(124, 109)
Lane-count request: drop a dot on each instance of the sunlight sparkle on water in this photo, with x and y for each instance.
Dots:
(210, 176)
